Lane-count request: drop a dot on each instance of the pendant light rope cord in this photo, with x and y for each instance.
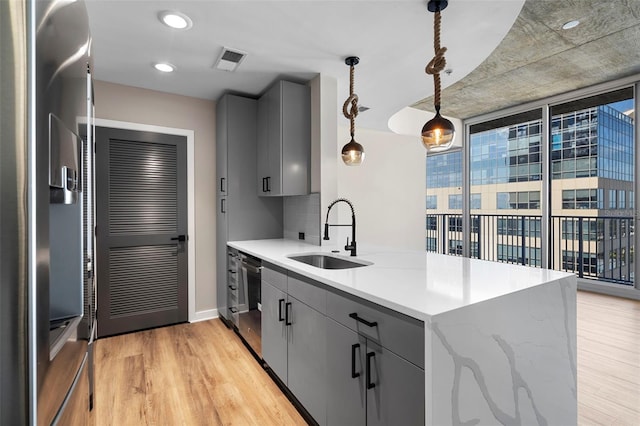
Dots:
(352, 101)
(437, 64)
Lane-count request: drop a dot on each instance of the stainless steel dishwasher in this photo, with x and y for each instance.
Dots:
(250, 312)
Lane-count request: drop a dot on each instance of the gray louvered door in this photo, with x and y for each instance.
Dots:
(141, 203)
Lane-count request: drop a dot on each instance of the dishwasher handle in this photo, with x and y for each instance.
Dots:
(251, 268)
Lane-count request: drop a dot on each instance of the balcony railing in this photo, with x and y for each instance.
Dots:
(599, 248)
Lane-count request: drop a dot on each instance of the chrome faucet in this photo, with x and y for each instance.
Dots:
(351, 247)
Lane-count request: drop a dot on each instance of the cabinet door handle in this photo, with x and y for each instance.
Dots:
(233, 310)
(353, 360)
(264, 184)
(280, 303)
(287, 314)
(369, 384)
(223, 205)
(363, 321)
(233, 288)
(222, 185)
(268, 183)
(231, 271)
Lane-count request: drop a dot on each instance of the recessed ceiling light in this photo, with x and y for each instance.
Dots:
(176, 20)
(164, 67)
(570, 24)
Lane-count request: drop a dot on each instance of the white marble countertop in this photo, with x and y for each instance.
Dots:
(415, 283)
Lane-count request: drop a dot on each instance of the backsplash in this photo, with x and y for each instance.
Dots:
(302, 214)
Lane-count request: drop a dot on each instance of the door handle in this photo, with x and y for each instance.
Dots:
(353, 360)
(287, 320)
(223, 205)
(369, 384)
(362, 320)
(222, 184)
(280, 303)
(180, 238)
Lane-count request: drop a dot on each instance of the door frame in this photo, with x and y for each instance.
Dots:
(191, 242)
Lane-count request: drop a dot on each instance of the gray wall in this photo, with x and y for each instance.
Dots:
(124, 103)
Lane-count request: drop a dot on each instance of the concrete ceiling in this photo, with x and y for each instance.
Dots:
(298, 39)
(538, 59)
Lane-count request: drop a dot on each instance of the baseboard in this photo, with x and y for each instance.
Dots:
(628, 292)
(205, 315)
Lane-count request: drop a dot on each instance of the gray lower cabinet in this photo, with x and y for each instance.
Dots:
(368, 384)
(339, 365)
(293, 344)
(306, 368)
(222, 224)
(274, 329)
(346, 396)
(397, 395)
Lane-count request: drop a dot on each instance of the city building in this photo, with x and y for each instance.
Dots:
(591, 196)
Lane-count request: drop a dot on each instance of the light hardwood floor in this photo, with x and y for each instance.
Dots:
(188, 374)
(608, 360)
(201, 374)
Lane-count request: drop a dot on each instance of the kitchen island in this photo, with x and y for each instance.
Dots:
(499, 339)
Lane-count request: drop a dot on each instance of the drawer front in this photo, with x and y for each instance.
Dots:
(313, 295)
(232, 307)
(392, 330)
(275, 276)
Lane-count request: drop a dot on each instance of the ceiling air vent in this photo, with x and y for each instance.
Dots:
(229, 59)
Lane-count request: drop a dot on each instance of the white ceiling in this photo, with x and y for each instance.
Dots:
(296, 40)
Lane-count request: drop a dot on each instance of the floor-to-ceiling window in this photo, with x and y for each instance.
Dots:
(505, 165)
(592, 186)
(552, 185)
(444, 203)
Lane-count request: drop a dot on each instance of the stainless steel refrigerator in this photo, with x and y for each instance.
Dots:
(46, 311)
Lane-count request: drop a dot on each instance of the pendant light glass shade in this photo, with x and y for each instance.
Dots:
(438, 134)
(352, 153)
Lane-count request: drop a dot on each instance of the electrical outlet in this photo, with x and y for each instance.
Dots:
(301, 235)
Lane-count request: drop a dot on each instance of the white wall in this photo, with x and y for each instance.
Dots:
(324, 131)
(131, 104)
(387, 189)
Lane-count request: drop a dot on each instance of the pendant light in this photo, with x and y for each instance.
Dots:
(353, 152)
(437, 133)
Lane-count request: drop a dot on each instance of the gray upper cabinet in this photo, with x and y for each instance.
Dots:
(284, 140)
(241, 214)
(222, 117)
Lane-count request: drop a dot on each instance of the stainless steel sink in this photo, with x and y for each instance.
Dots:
(326, 261)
